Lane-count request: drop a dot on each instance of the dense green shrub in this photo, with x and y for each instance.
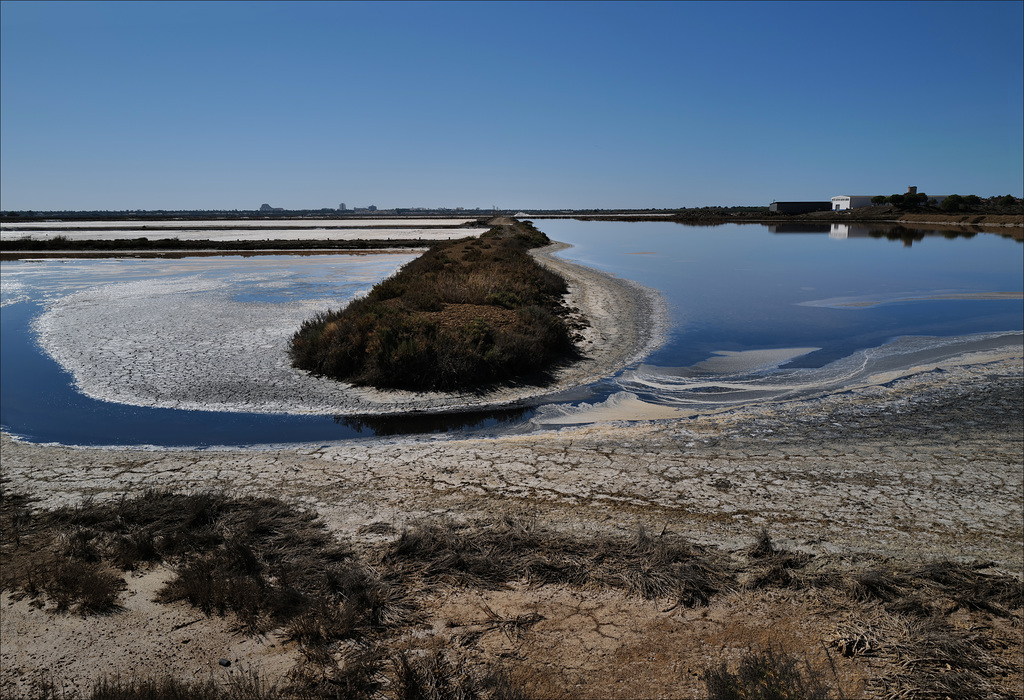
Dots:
(467, 313)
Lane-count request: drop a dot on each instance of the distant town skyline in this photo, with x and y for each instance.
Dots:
(226, 105)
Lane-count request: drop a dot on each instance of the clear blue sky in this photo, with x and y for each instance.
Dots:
(523, 104)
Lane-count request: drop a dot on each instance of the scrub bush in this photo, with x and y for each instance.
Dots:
(769, 674)
(466, 314)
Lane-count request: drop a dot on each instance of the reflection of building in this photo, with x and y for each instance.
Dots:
(798, 207)
(849, 201)
(799, 228)
(843, 231)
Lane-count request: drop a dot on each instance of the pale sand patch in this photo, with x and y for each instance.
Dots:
(621, 406)
(143, 639)
(185, 224)
(738, 362)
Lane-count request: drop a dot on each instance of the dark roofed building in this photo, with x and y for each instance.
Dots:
(799, 207)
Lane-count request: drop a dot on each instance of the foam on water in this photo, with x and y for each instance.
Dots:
(869, 300)
(731, 379)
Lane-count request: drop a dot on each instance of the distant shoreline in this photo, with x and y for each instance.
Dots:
(925, 220)
(1010, 226)
(143, 221)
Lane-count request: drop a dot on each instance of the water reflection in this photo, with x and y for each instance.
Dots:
(734, 288)
(893, 232)
(907, 235)
(801, 228)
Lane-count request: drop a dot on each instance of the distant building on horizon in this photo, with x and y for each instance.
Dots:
(850, 201)
(799, 207)
(341, 207)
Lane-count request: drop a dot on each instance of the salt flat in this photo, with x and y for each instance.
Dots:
(186, 343)
(925, 466)
(249, 234)
(232, 223)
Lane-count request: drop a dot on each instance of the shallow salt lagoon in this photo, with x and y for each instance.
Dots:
(251, 234)
(775, 312)
(756, 315)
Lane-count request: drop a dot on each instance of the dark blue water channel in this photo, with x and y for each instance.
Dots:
(729, 288)
(38, 402)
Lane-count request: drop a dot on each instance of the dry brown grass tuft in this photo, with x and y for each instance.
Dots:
(773, 566)
(928, 631)
(434, 676)
(768, 674)
(927, 658)
(490, 555)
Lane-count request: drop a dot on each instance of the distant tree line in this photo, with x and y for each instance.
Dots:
(952, 203)
(955, 202)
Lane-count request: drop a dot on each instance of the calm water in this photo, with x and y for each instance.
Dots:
(767, 313)
(747, 293)
(745, 287)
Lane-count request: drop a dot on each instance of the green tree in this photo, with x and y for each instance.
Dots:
(878, 200)
(896, 199)
(953, 202)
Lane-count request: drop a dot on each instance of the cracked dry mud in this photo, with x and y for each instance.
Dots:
(926, 468)
(929, 466)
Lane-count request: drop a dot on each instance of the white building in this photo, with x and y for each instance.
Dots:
(849, 201)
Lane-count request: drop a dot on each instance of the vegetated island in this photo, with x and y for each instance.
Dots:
(466, 315)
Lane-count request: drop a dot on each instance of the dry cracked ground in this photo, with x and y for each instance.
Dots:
(891, 520)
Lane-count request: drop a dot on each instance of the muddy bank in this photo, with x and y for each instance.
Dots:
(927, 465)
